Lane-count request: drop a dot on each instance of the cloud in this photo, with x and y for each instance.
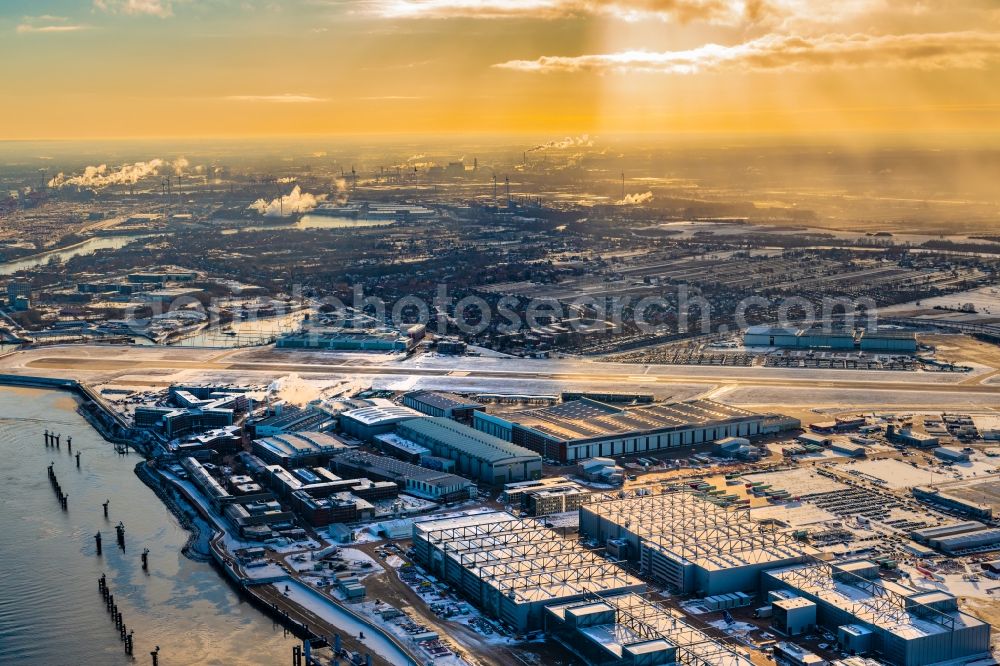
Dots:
(582, 141)
(287, 98)
(715, 11)
(161, 8)
(787, 14)
(294, 202)
(48, 24)
(635, 199)
(944, 50)
(391, 98)
(101, 176)
(25, 28)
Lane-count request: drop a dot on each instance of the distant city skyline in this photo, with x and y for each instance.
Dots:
(192, 68)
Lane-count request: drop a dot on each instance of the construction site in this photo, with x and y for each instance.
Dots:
(906, 626)
(512, 568)
(631, 629)
(689, 544)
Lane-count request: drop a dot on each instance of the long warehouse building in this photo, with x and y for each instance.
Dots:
(512, 568)
(476, 454)
(902, 625)
(691, 545)
(585, 428)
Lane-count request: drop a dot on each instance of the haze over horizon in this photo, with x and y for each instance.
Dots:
(227, 68)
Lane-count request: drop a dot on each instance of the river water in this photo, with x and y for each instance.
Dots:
(50, 609)
(89, 246)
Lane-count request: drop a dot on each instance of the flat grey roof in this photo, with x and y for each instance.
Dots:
(441, 399)
(467, 440)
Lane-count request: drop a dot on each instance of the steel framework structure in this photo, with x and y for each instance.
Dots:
(647, 620)
(694, 528)
(501, 529)
(587, 578)
(886, 608)
(525, 559)
(476, 557)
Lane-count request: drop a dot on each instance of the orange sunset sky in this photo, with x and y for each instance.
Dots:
(149, 68)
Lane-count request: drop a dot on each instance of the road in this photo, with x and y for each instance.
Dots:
(271, 595)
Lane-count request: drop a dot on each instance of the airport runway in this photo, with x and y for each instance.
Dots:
(65, 363)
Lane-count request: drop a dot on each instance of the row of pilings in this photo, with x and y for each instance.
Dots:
(53, 441)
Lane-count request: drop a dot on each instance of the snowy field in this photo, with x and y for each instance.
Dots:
(899, 475)
(867, 399)
(798, 481)
(986, 300)
(795, 514)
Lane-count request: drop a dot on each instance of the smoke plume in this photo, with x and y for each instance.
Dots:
(294, 390)
(295, 201)
(635, 199)
(583, 141)
(128, 174)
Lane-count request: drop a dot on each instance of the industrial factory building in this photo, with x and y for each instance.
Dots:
(689, 544)
(282, 418)
(903, 626)
(956, 538)
(298, 449)
(952, 503)
(586, 428)
(416, 480)
(376, 419)
(886, 341)
(346, 339)
(438, 403)
(819, 338)
(629, 630)
(513, 568)
(476, 454)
